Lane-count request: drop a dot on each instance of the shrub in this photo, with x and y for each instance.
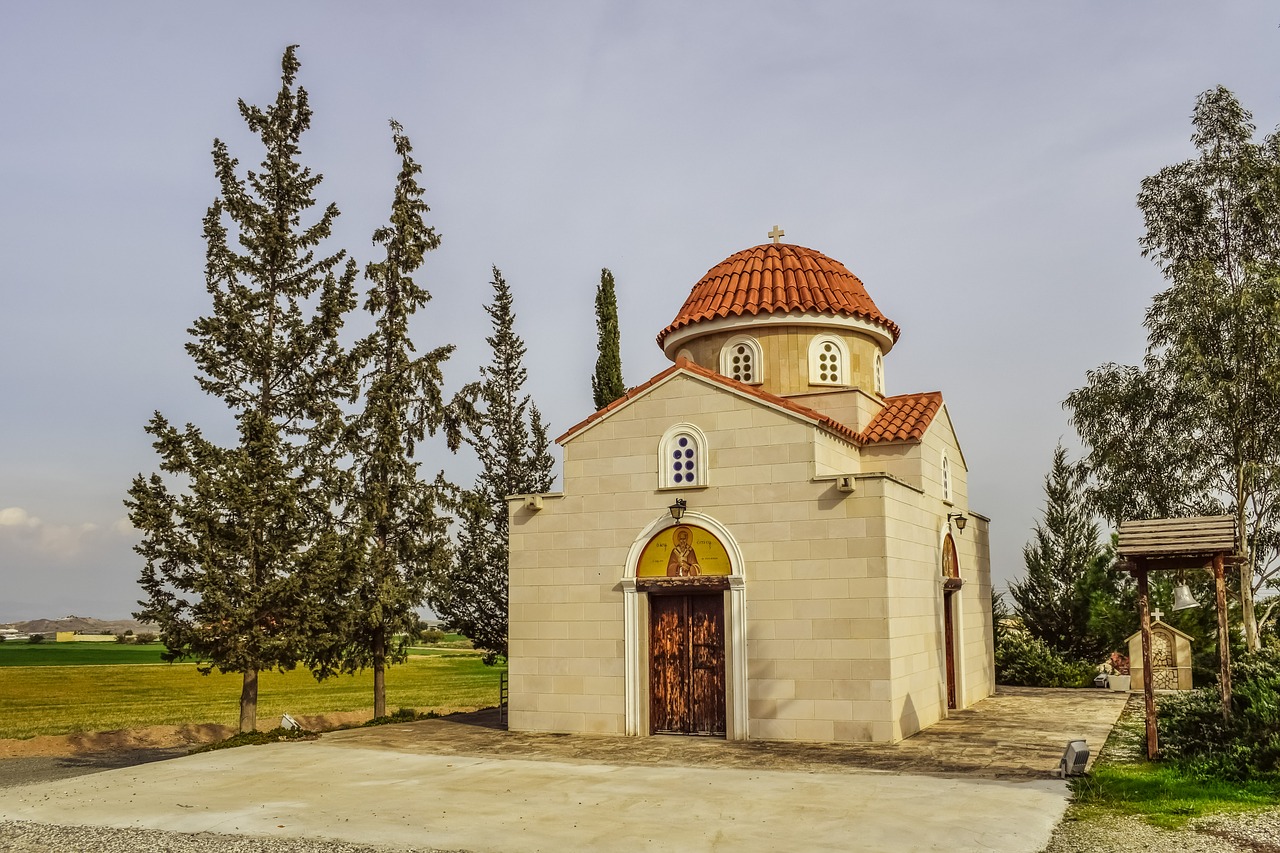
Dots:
(145, 638)
(431, 635)
(1025, 661)
(36, 638)
(121, 639)
(1194, 733)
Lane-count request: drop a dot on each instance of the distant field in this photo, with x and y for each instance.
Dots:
(42, 699)
(49, 653)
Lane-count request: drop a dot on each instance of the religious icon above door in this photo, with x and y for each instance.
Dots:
(683, 551)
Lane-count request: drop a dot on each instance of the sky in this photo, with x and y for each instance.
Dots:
(974, 164)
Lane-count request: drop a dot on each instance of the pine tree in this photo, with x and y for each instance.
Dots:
(510, 440)
(230, 553)
(606, 383)
(397, 535)
(1055, 599)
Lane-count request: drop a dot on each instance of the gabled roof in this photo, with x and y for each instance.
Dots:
(684, 365)
(903, 418)
(778, 278)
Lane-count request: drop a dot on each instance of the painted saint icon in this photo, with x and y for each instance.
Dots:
(683, 551)
(683, 562)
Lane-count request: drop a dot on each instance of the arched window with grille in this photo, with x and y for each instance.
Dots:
(828, 361)
(946, 478)
(740, 360)
(682, 458)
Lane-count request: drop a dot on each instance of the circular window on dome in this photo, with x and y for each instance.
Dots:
(827, 357)
(740, 360)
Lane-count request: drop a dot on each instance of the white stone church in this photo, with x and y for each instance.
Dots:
(825, 579)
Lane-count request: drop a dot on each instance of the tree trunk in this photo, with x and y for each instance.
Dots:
(249, 701)
(380, 673)
(1251, 639)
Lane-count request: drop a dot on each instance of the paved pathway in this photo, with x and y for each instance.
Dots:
(979, 781)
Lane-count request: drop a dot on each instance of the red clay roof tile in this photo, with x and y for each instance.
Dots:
(826, 421)
(903, 418)
(777, 278)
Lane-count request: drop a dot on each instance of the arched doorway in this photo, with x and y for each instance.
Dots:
(951, 583)
(684, 609)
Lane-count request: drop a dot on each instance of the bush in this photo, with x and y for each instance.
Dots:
(1024, 661)
(36, 638)
(145, 638)
(121, 639)
(1193, 732)
(431, 635)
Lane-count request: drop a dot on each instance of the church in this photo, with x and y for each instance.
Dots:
(760, 542)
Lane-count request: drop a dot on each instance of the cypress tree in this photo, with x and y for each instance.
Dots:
(1056, 599)
(397, 535)
(606, 382)
(230, 550)
(509, 437)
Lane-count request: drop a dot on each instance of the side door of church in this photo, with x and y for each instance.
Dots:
(686, 676)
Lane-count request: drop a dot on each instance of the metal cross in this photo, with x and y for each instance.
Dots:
(1157, 614)
(777, 234)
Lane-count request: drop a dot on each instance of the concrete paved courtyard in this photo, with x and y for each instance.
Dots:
(979, 781)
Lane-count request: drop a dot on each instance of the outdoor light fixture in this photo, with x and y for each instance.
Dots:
(1074, 759)
(677, 509)
(1182, 597)
(959, 518)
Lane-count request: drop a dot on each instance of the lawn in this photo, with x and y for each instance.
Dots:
(43, 699)
(1123, 782)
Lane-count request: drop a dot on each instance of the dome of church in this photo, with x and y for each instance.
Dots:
(778, 278)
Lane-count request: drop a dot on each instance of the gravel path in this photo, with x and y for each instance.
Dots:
(1256, 832)
(23, 837)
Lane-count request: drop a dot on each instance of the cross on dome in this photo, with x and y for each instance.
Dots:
(777, 234)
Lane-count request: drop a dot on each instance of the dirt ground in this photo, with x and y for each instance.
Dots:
(50, 757)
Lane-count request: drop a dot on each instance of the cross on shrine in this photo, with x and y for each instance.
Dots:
(777, 234)
(1157, 614)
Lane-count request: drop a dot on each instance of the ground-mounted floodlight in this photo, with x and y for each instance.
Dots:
(1074, 759)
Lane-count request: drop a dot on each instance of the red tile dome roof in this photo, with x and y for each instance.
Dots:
(778, 278)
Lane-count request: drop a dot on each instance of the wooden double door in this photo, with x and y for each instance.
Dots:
(686, 664)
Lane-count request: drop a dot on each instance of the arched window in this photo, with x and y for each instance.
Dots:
(950, 562)
(946, 478)
(740, 360)
(828, 362)
(682, 458)
(879, 374)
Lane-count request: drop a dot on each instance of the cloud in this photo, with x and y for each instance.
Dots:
(16, 516)
(20, 528)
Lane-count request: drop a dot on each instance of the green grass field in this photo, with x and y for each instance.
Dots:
(46, 699)
(49, 653)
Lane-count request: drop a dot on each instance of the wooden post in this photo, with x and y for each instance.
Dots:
(1148, 683)
(1224, 638)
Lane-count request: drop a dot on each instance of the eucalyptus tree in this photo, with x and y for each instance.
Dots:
(509, 437)
(606, 383)
(1197, 427)
(233, 536)
(397, 529)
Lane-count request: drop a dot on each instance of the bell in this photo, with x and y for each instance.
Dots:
(1182, 598)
